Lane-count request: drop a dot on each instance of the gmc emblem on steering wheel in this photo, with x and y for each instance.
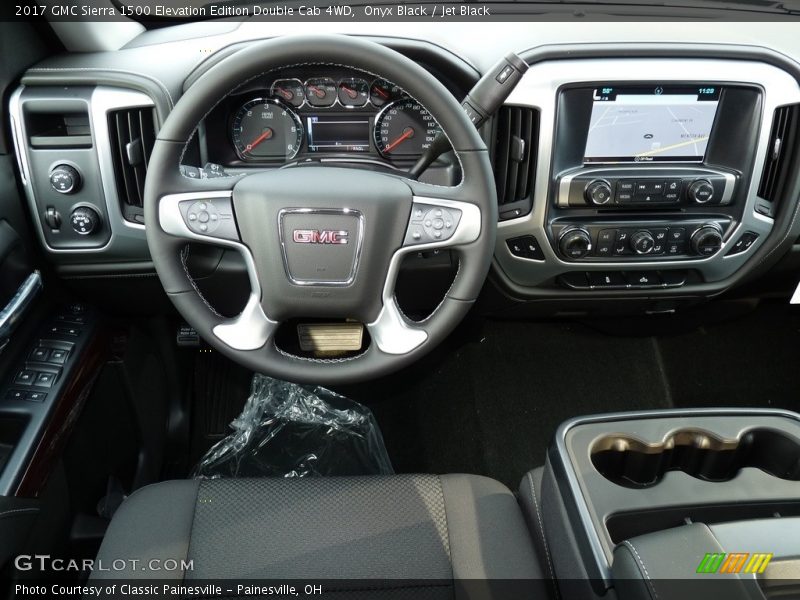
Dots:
(317, 236)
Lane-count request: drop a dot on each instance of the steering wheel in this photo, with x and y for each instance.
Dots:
(320, 241)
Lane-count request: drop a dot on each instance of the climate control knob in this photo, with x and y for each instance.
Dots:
(65, 179)
(701, 191)
(84, 220)
(575, 243)
(642, 242)
(707, 240)
(598, 192)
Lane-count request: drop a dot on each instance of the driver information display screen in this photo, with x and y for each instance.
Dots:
(644, 124)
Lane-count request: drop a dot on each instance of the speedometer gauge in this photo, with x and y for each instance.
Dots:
(404, 129)
(264, 128)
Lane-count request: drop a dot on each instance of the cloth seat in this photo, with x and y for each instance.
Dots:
(421, 536)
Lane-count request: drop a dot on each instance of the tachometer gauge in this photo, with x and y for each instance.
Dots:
(381, 92)
(353, 92)
(404, 129)
(321, 91)
(265, 128)
(290, 91)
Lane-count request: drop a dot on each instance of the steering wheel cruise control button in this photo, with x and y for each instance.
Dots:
(432, 224)
(212, 217)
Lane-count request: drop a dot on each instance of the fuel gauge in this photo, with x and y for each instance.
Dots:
(353, 92)
(321, 91)
(382, 92)
(290, 91)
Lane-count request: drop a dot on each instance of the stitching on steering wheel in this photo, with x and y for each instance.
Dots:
(326, 64)
(184, 258)
(317, 360)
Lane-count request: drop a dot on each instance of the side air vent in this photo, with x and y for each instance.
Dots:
(133, 134)
(782, 142)
(515, 159)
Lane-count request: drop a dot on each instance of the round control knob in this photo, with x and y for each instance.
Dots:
(598, 192)
(65, 179)
(84, 220)
(707, 240)
(701, 191)
(642, 242)
(575, 243)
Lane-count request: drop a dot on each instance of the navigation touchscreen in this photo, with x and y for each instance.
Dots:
(644, 124)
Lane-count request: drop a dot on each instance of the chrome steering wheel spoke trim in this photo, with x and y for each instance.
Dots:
(392, 332)
(251, 329)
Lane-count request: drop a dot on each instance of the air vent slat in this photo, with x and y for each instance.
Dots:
(132, 132)
(515, 159)
(502, 153)
(782, 141)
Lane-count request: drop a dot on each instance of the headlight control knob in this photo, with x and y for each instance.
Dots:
(84, 220)
(65, 179)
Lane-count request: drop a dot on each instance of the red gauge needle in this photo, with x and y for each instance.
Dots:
(286, 94)
(264, 136)
(382, 92)
(317, 91)
(350, 92)
(408, 132)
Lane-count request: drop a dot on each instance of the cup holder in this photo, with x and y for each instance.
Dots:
(632, 463)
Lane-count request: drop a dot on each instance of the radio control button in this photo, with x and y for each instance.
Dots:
(626, 185)
(598, 192)
(653, 187)
(701, 191)
(625, 197)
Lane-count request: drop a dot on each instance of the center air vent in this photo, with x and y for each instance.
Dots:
(515, 159)
(133, 134)
(782, 142)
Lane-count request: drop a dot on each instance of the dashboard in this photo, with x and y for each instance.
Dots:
(646, 172)
(318, 112)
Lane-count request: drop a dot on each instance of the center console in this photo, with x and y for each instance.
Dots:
(653, 176)
(637, 499)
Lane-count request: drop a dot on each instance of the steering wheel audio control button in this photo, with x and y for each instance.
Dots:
(431, 224)
(212, 217)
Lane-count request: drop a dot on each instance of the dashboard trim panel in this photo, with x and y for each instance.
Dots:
(539, 89)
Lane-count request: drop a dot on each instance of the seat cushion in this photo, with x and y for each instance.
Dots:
(405, 527)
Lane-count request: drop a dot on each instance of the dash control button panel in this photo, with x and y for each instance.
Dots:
(431, 224)
(212, 217)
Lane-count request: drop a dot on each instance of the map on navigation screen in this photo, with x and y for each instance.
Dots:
(651, 124)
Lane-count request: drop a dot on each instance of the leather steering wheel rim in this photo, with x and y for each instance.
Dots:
(249, 338)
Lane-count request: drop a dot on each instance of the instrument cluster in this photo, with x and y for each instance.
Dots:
(313, 113)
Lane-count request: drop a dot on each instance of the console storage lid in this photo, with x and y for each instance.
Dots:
(736, 561)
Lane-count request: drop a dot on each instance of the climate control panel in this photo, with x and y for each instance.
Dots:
(646, 240)
(645, 188)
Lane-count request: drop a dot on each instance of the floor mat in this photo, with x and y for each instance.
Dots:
(489, 400)
(491, 404)
(220, 390)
